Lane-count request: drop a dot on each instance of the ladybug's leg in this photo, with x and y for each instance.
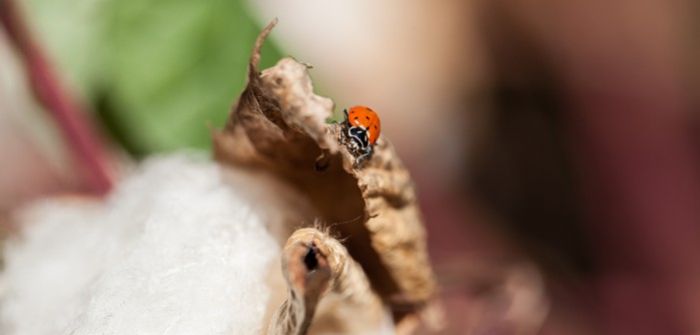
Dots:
(344, 133)
(367, 153)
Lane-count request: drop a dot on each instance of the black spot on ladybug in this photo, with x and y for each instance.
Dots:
(356, 118)
(367, 117)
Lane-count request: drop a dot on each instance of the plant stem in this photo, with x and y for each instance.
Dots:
(63, 108)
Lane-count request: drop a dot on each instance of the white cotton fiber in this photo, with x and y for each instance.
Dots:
(174, 250)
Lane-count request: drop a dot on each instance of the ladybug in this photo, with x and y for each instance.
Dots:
(360, 131)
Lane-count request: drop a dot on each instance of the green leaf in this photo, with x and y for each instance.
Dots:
(160, 72)
(175, 67)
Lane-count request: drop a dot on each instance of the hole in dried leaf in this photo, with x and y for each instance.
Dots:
(322, 163)
(310, 259)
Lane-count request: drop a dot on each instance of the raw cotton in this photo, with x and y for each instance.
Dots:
(173, 250)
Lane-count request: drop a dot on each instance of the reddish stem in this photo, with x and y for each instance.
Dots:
(63, 107)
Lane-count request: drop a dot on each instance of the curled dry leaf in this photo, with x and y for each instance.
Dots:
(278, 126)
(317, 266)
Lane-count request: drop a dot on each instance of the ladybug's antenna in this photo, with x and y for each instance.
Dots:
(331, 225)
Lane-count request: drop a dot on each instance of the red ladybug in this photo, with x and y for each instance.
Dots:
(361, 130)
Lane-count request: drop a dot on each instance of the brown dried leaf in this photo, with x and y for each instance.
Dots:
(279, 126)
(324, 280)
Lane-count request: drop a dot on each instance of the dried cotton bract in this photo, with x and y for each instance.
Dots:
(328, 291)
(278, 127)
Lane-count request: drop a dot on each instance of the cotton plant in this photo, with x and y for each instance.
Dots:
(258, 240)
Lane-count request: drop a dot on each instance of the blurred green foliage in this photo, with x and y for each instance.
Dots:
(159, 72)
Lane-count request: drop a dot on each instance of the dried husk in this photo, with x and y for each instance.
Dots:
(278, 126)
(322, 277)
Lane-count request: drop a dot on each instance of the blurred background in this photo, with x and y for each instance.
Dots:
(555, 144)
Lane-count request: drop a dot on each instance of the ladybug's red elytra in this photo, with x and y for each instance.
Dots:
(360, 131)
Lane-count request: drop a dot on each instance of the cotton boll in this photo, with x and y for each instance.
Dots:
(46, 271)
(175, 249)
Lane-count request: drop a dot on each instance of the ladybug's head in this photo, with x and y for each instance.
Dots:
(359, 135)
